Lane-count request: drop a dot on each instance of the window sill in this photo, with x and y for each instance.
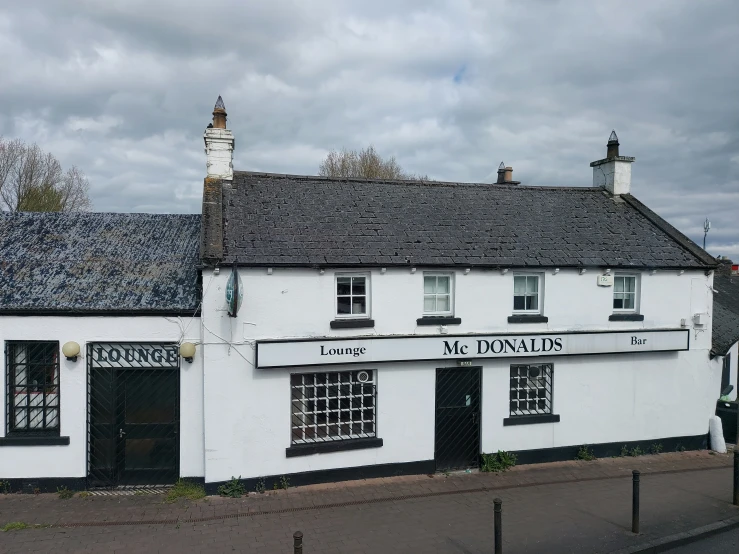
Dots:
(626, 317)
(352, 323)
(531, 419)
(438, 320)
(33, 441)
(332, 446)
(523, 318)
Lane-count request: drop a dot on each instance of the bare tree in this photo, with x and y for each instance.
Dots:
(365, 164)
(32, 180)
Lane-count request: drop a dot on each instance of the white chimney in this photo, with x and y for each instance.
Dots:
(219, 145)
(614, 172)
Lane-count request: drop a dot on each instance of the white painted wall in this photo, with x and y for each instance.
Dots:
(614, 176)
(71, 460)
(599, 398)
(219, 146)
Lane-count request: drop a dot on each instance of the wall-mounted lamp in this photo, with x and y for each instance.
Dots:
(269, 271)
(216, 271)
(187, 351)
(681, 272)
(504, 271)
(383, 270)
(321, 271)
(413, 270)
(582, 270)
(71, 350)
(467, 271)
(608, 271)
(653, 272)
(556, 270)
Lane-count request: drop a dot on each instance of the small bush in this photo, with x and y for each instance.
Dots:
(284, 482)
(584, 453)
(497, 462)
(84, 494)
(185, 489)
(656, 448)
(15, 526)
(64, 493)
(233, 489)
(5, 487)
(624, 451)
(636, 451)
(260, 486)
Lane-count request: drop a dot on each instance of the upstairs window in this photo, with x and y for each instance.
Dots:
(625, 293)
(437, 294)
(32, 377)
(526, 294)
(352, 296)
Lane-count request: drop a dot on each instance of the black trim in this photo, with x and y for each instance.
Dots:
(333, 475)
(469, 335)
(29, 440)
(352, 324)
(438, 320)
(610, 449)
(331, 446)
(32, 485)
(531, 419)
(523, 318)
(626, 317)
(97, 313)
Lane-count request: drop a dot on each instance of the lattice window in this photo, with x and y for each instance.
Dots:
(531, 389)
(352, 293)
(32, 377)
(437, 294)
(526, 293)
(333, 406)
(624, 293)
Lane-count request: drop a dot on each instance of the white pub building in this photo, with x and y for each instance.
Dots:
(324, 329)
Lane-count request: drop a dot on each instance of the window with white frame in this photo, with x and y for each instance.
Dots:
(625, 293)
(352, 296)
(437, 294)
(531, 389)
(332, 406)
(32, 377)
(527, 293)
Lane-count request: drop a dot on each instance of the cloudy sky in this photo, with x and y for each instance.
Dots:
(124, 88)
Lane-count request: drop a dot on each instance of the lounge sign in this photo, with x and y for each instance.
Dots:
(394, 349)
(134, 355)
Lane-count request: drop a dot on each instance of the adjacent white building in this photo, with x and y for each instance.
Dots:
(347, 328)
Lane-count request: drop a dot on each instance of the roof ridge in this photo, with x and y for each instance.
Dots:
(419, 182)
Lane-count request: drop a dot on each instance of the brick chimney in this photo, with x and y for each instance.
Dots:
(505, 175)
(614, 171)
(219, 145)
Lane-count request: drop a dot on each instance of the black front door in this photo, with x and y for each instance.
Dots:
(457, 418)
(134, 416)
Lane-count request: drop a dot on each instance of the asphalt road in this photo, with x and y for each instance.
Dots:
(723, 542)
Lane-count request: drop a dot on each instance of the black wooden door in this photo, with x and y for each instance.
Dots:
(457, 418)
(148, 426)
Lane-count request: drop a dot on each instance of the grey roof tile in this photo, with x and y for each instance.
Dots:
(356, 221)
(87, 262)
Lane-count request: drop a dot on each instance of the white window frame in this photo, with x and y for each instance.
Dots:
(450, 311)
(368, 296)
(540, 293)
(637, 288)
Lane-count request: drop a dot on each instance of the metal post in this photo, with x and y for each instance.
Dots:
(498, 530)
(736, 475)
(298, 542)
(635, 503)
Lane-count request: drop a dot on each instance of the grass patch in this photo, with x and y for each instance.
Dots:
(185, 489)
(499, 461)
(84, 494)
(584, 453)
(64, 493)
(15, 526)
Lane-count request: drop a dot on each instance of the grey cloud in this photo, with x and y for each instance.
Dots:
(124, 89)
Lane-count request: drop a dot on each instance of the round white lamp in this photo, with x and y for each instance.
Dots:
(187, 351)
(71, 350)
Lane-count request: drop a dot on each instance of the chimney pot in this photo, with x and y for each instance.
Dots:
(219, 114)
(612, 146)
(501, 173)
(508, 174)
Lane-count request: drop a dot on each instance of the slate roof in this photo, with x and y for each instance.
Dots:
(725, 310)
(285, 220)
(99, 262)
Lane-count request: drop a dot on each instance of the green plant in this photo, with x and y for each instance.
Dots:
(140, 493)
(185, 489)
(446, 471)
(624, 451)
(679, 448)
(36, 491)
(84, 494)
(260, 486)
(499, 461)
(584, 453)
(284, 482)
(15, 526)
(5, 487)
(656, 448)
(64, 493)
(233, 488)
(636, 451)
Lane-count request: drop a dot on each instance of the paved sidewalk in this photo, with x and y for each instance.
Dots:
(562, 507)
